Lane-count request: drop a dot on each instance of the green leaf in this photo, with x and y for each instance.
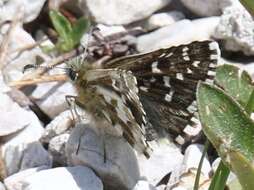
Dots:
(61, 24)
(79, 28)
(196, 184)
(236, 83)
(230, 130)
(249, 5)
(220, 177)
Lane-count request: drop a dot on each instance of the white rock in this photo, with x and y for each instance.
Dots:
(181, 32)
(184, 176)
(2, 186)
(110, 157)
(14, 182)
(143, 185)
(165, 157)
(57, 149)
(121, 12)
(207, 7)
(216, 163)
(109, 30)
(8, 9)
(14, 146)
(159, 20)
(64, 178)
(192, 158)
(59, 125)
(52, 95)
(236, 27)
(10, 110)
(17, 60)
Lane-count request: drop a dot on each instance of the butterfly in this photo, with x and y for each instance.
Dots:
(158, 87)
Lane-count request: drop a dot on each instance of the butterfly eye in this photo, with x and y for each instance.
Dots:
(72, 74)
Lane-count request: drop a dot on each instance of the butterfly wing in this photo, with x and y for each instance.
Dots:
(167, 80)
(117, 97)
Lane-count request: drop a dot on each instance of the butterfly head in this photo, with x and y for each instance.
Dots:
(72, 74)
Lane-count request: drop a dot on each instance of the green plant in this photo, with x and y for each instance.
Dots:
(225, 116)
(69, 34)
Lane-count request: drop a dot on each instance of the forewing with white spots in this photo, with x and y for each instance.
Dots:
(167, 80)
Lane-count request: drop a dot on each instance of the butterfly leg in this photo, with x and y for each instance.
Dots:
(71, 101)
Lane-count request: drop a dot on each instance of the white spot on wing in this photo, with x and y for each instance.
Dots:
(143, 88)
(186, 58)
(195, 63)
(184, 54)
(179, 76)
(211, 73)
(195, 120)
(155, 68)
(169, 96)
(213, 56)
(189, 70)
(185, 49)
(212, 65)
(166, 80)
(192, 107)
(169, 55)
(162, 55)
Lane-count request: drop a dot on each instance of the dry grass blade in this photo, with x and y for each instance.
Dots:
(40, 79)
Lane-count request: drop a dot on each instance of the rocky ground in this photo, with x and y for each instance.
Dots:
(40, 148)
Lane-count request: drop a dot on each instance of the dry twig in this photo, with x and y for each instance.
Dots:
(41, 79)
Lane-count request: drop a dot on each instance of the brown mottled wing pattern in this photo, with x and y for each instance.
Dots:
(167, 80)
(118, 97)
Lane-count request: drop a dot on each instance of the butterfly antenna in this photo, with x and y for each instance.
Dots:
(36, 66)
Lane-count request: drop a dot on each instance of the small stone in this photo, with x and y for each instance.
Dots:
(13, 148)
(14, 182)
(64, 178)
(52, 95)
(183, 176)
(121, 11)
(159, 20)
(181, 32)
(164, 158)
(236, 28)
(111, 157)
(143, 185)
(8, 9)
(57, 149)
(59, 125)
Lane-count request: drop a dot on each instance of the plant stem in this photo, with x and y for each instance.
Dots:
(220, 177)
(196, 184)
